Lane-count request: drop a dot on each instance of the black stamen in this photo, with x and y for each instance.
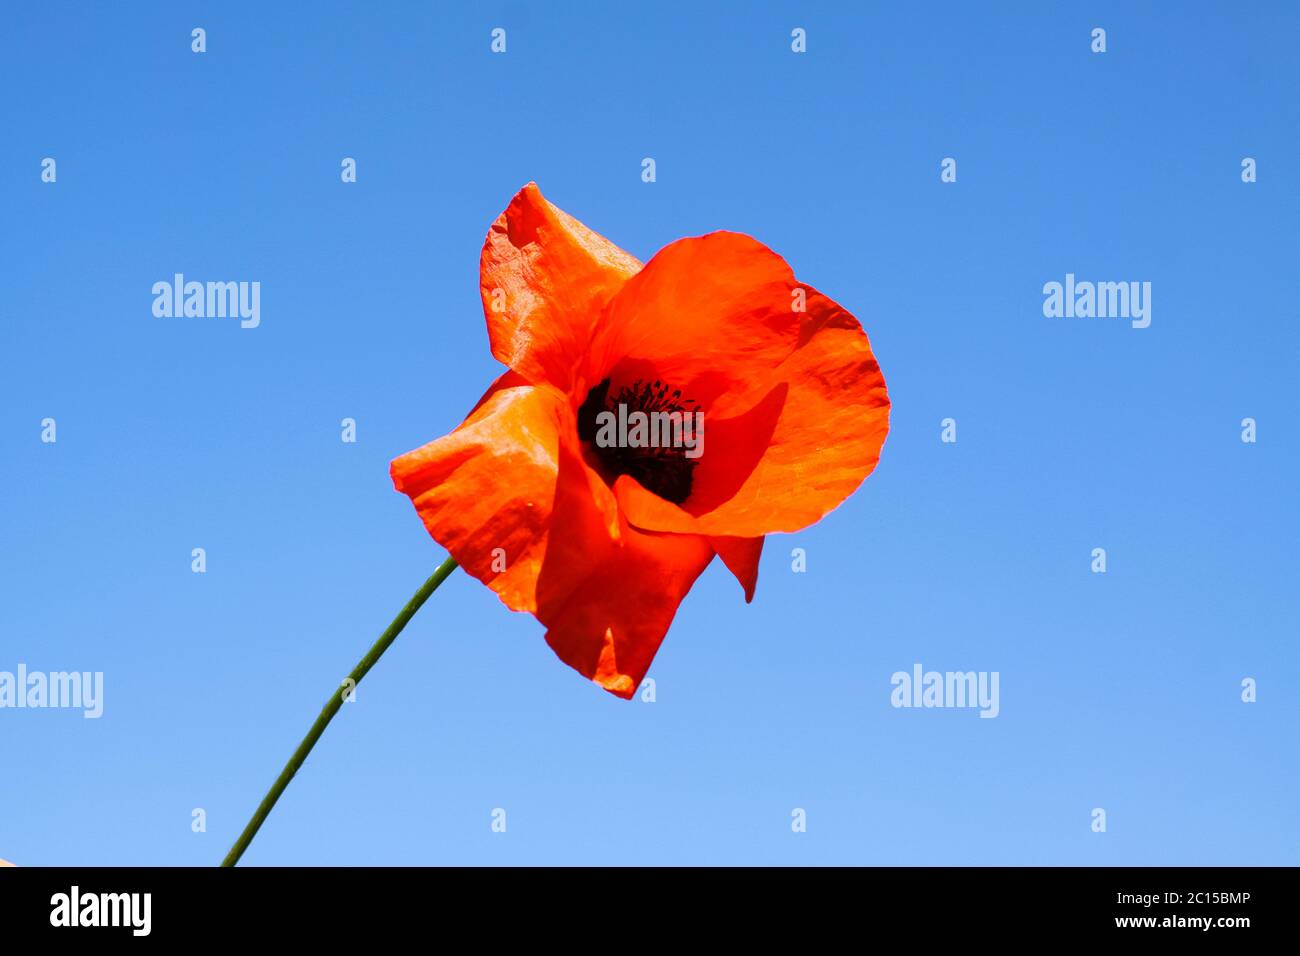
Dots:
(663, 469)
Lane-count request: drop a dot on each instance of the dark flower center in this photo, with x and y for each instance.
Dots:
(660, 447)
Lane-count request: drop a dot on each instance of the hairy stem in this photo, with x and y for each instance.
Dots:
(332, 707)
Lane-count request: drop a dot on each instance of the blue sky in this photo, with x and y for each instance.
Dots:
(1119, 691)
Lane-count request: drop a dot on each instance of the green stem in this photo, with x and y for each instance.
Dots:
(332, 707)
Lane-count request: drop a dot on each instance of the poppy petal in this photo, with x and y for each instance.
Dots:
(705, 314)
(741, 555)
(544, 278)
(795, 406)
(498, 528)
(612, 624)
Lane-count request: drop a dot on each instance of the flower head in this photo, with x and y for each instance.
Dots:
(546, 495)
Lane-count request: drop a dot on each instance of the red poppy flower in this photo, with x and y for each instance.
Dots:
(601, 542)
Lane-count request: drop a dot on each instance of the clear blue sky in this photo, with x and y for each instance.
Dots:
(1119, 691)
